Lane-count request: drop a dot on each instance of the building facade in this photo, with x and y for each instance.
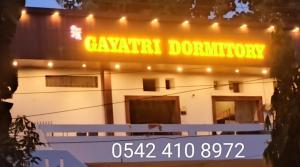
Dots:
(106, 64)
(83, 69)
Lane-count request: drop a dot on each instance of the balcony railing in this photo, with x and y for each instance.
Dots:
(123, 143)
(56, 158)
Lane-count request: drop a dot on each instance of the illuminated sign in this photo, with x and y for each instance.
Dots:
(176, 48)
(76, 32)
(123, 45)
(216, 49)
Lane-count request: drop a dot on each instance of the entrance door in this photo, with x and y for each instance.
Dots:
(237, 109)
(152, 110)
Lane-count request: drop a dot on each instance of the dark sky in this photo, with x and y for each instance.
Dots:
(42, 3)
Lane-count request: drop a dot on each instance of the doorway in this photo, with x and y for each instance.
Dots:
(153, 110)
(237, 109)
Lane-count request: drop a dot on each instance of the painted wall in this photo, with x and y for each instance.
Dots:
(39, 103)
(195, 100)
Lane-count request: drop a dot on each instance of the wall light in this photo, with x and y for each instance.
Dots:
(84, 65)
(185, 23)
(90, 16)
(24, 15)
(209, 69)
(55, 17)
(271, 29)
(117, 66)
(24, 12)
(155, 22)
(15, 63)
(123, 20)
(55, 14)
(264, 71)
(179, 69)
(296, 29)
(50, 64)
(149, 68)
(237, 71)
(244, 27)
(215, 25)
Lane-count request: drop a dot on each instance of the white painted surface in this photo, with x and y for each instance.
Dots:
(85, 149)
(39, 103)
(197, 103)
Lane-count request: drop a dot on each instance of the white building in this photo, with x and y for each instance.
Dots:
(83, 69)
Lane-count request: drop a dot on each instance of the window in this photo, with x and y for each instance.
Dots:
(169, 84)
(237, 109)
(71, 81)
(149, 84)
(234, 86)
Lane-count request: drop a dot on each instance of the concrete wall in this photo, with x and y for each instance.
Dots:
(38, 103)
(197, 103)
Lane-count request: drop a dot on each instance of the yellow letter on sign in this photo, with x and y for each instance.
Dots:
(90, 43)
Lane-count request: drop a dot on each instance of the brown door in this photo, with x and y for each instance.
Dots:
(152, 110)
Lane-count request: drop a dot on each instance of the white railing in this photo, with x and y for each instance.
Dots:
(56, 158)
(96, 143)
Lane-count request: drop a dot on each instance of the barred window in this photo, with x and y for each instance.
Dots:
(71, 81)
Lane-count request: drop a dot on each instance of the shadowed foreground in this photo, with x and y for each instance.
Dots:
(232, 163)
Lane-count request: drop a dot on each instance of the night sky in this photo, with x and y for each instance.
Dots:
(42, 3)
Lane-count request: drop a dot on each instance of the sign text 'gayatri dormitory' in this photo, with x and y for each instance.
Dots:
(179, 48)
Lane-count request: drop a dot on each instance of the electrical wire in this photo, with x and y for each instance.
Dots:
(124, 101)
